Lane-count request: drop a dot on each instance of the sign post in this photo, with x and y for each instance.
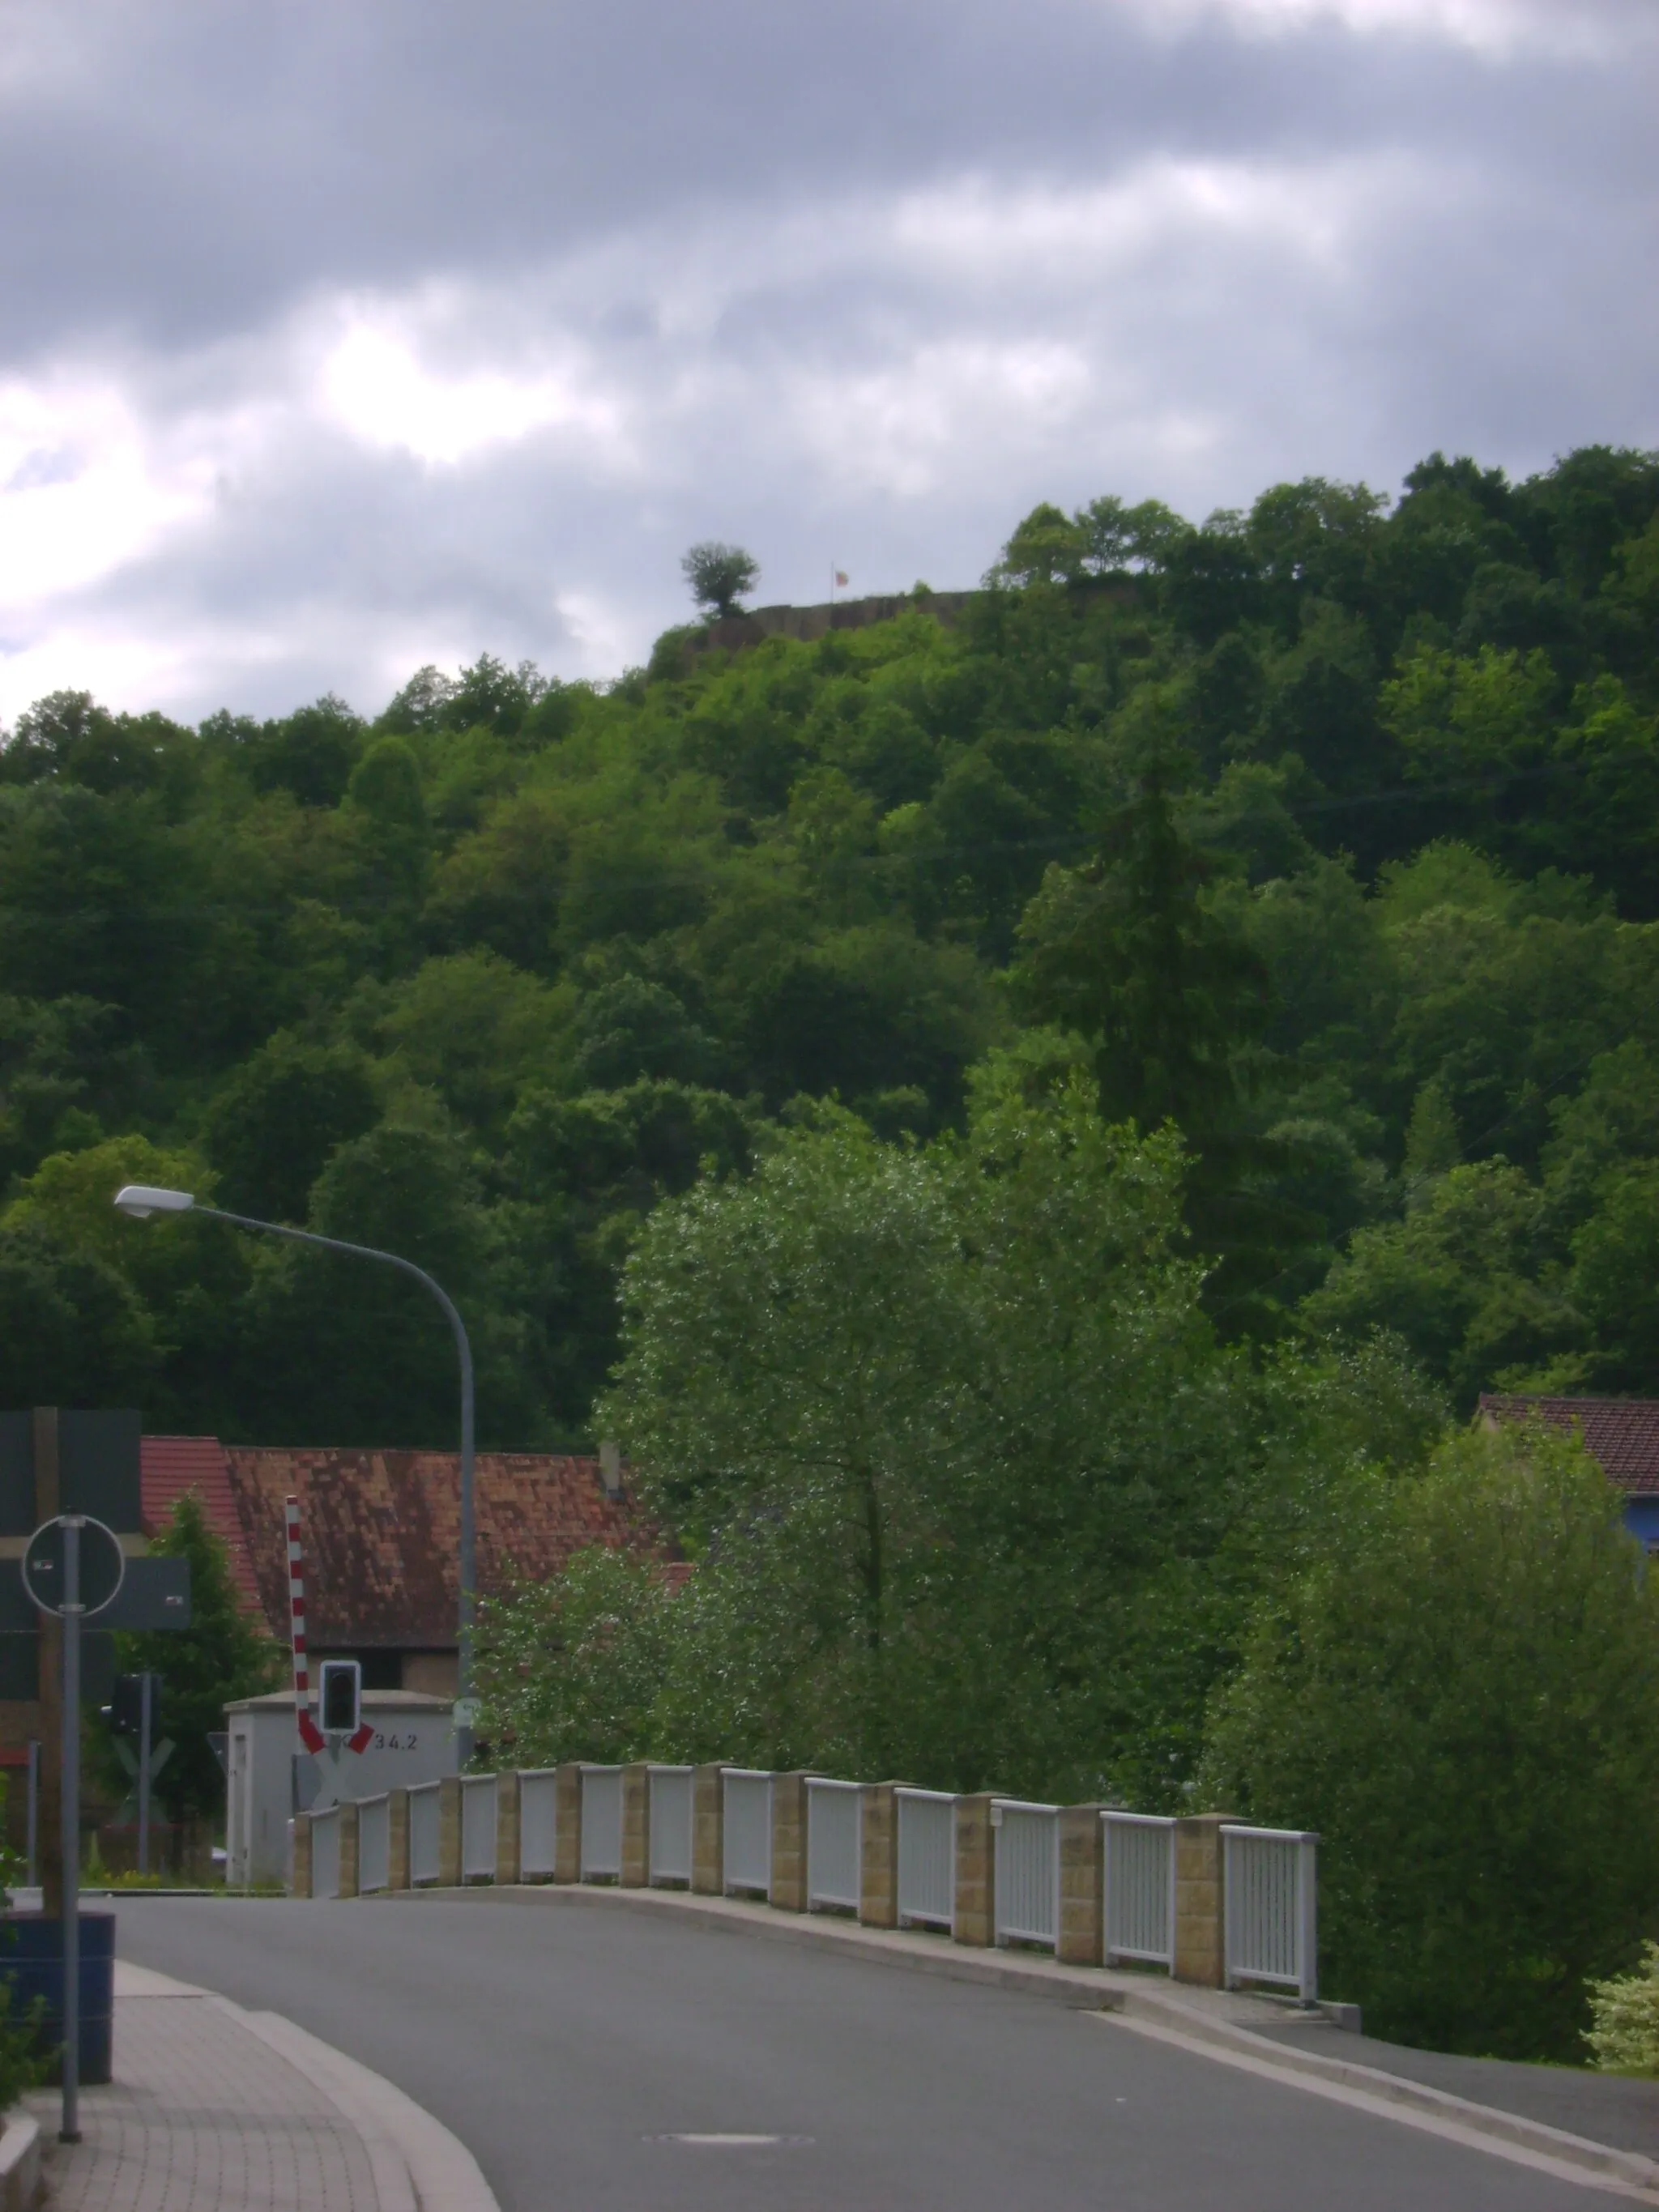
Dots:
(74, 1568)
(144, 1694)
(69, 2127)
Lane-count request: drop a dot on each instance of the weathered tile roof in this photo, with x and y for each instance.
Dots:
(381, 1533)
(170, 1466)
(1621, 1433)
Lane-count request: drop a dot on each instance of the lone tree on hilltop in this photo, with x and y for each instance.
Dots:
(719, 575)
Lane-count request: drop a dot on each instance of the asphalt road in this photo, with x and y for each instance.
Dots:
(568, 2047)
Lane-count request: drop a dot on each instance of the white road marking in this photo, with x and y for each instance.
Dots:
(734, 2142)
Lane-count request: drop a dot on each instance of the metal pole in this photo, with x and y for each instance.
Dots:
(469, 1563)
(1307, 1886)
(34, 1815)
(144, 1681)
(468, 1560)
(69, 2131)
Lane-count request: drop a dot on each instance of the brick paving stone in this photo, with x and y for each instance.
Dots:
(203, 2117)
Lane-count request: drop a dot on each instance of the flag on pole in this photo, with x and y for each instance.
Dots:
(841, 576)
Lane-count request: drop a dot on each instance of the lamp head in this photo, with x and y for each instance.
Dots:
(142, 1198)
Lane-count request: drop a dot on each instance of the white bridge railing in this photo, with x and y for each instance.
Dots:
(425, 1863)
(981, 1869)
(373, 1845)
(671, 1825)
(478, 1828)
(1271, 1878)
(926, 1858)
(1027, 1871)
(834, 1844)
(601, 1854)
(539, 1823)
(747, 1829)
(1140, 1876)
(326, 1853)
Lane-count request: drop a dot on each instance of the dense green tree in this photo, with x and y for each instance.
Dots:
(631, 1028)
(573, 1667)
(974, 1493)
(1614, 1282)
(1459, 1280)
(222, 1654)
(1462, 1698)
(310, 753)
(1125, 951)
(719, 575)
(1129, 953)
(1327, 823)
(274, 1122)
(359, 1346)
(72, 1330)
(58, 1077)
(68, 738)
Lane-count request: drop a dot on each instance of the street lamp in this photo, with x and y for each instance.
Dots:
(141, 1201)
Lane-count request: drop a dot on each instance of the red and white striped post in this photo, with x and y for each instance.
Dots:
(310, 1736)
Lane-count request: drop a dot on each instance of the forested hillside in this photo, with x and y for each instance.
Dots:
(1329, 830)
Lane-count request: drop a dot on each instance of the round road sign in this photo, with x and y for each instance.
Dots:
(102, 1564)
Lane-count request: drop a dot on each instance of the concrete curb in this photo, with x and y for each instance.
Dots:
(417, 2164)
(1485, 2128)
(20, 2163)
(1205, 2021)
(1156, 2013)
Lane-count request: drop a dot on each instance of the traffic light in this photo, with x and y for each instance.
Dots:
(343, 1695)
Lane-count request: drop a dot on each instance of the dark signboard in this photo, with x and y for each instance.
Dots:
(97, 1461)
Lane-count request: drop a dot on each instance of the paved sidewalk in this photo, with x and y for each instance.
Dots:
(204, 2116)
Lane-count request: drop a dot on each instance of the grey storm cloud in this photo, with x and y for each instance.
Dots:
(339, 338)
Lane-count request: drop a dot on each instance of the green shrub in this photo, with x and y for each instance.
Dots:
(24, 2061)
(1464, 1701)
(1623, 2032)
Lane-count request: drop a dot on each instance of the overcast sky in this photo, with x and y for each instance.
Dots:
(347, 335)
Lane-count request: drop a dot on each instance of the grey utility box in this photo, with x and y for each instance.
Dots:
(268, 1779)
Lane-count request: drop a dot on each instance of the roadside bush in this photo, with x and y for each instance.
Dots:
(1464, 1702)
(1624, 2030)
(24, 2063)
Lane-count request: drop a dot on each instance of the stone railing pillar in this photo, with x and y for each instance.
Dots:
(976, 1870)
(397, 1839)
(1080, 1937)
(568, 1821)
(1200, 1951)
(506, 1826)
(708, 1831)
(300, 1878)
(348, 1850)
(879, 1856)
(449, 1832)
(789, 1871)
(635, 1825)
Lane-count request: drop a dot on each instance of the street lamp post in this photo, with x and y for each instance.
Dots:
(141, 1199)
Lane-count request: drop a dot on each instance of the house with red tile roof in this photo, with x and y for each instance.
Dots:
(170, 1466)
(1622, 1434)
(381, 1536)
